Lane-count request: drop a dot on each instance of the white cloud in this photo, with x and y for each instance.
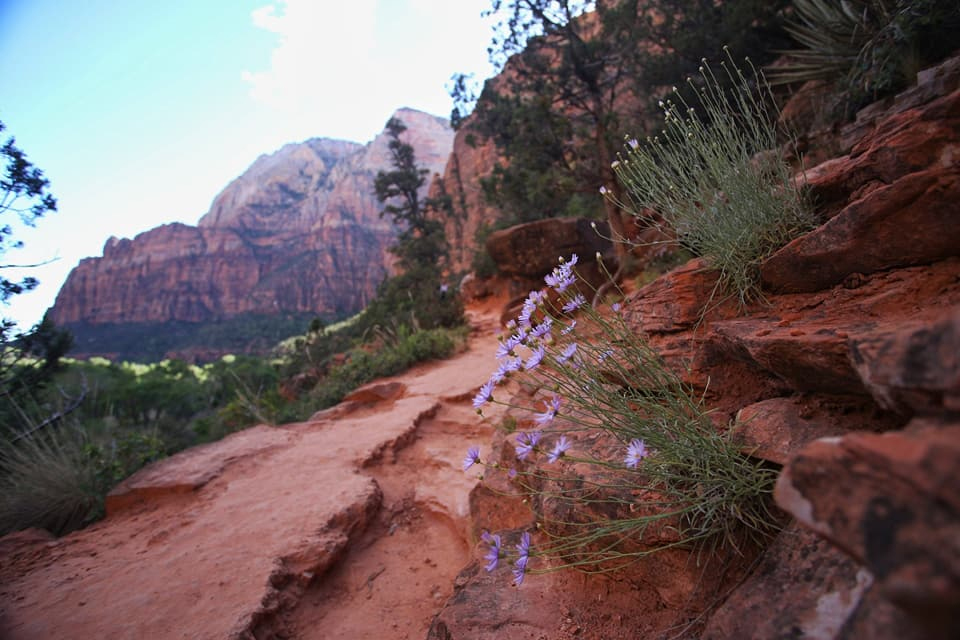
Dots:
(340, 69)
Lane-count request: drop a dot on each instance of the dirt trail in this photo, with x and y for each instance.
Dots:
(352, 525)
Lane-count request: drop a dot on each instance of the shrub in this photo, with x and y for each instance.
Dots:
(871, 47)
(716, 180)
(625, 460)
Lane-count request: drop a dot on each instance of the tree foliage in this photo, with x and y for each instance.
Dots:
(24, 193)
(418, 297)
(573, 85)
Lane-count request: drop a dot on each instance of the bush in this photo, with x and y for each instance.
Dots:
(872, 48)
(717, 180)
(404, 349)
(625, 460)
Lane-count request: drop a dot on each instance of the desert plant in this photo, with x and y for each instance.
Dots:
(872, 47)
(714, 178)
(49, 481)
(625, 460)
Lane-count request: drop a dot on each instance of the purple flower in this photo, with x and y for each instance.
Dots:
(505, 348)
(574, 304)
(534, 360)
(510, 365)
(567, 352)
(604, 355)
(616, 307)
(633, 143)
(519, 570)
(493, 553)
(473, 457)
(542, 329)
(529, 306)
(560, 279)
(551, 406)
(603, 190)
(570, 327)
(636, 452)
(523, 549)
(523, 557)
(512, 473)
(526, 442)
(572, 261)
(485, 393)
(558, 449)
(498, 376)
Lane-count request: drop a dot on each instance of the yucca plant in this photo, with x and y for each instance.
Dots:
(871, 47)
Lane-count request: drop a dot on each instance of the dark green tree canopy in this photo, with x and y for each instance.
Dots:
(575, 84)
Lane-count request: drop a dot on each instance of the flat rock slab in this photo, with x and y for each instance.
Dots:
(193, 468)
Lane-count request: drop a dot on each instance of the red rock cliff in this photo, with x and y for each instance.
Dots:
(299, 231)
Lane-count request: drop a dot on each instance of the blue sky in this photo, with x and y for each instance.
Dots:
(139, 113)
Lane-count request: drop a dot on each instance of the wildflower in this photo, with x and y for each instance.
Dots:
(560, 279)
(603, 191)
(523, 549)
(512, 473)
(526, 442)
(604, 355)
(519, 570)
(636, 452)
(542, 329)
(616, 306)
(523, 557)
(574, 304)
(570, 327)
(506, 347)
(534, 360)
(493, 553)
(558, 449)
(551, 406)
(498, 376)
(567, 353)
(633, 143)
(472, 458)
(574, 258)
(529, 306)
(510, 365)
(485, 393)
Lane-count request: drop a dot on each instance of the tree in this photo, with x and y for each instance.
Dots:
(418, 293)
(27, 360)
(421, 241)
(574, 85)
(24, 193)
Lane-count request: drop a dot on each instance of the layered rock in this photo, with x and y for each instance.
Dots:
(298, 232)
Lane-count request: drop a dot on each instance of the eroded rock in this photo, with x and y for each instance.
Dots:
(890, 501)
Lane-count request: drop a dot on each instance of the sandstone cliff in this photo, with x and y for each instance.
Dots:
(298, 233)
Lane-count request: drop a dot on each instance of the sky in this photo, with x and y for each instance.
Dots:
(139, 113)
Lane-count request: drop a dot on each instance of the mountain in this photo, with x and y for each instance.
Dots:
(297, 235)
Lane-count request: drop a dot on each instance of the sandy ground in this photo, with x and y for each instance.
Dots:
(353, 525)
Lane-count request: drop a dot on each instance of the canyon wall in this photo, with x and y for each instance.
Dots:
(298, 233)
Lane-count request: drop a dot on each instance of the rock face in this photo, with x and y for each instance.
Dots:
(298, 232)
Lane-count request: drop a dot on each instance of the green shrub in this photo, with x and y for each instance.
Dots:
(872, 48)
(716, 179)
(625, 460)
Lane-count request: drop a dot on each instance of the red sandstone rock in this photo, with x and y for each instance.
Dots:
(891, 502)
(898, 190)
(534, 249)
(915, 368)
(298, 232)
(802, 588)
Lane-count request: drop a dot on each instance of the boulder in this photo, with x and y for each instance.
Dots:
(889, 501)
(892, 202)
(533, 249)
